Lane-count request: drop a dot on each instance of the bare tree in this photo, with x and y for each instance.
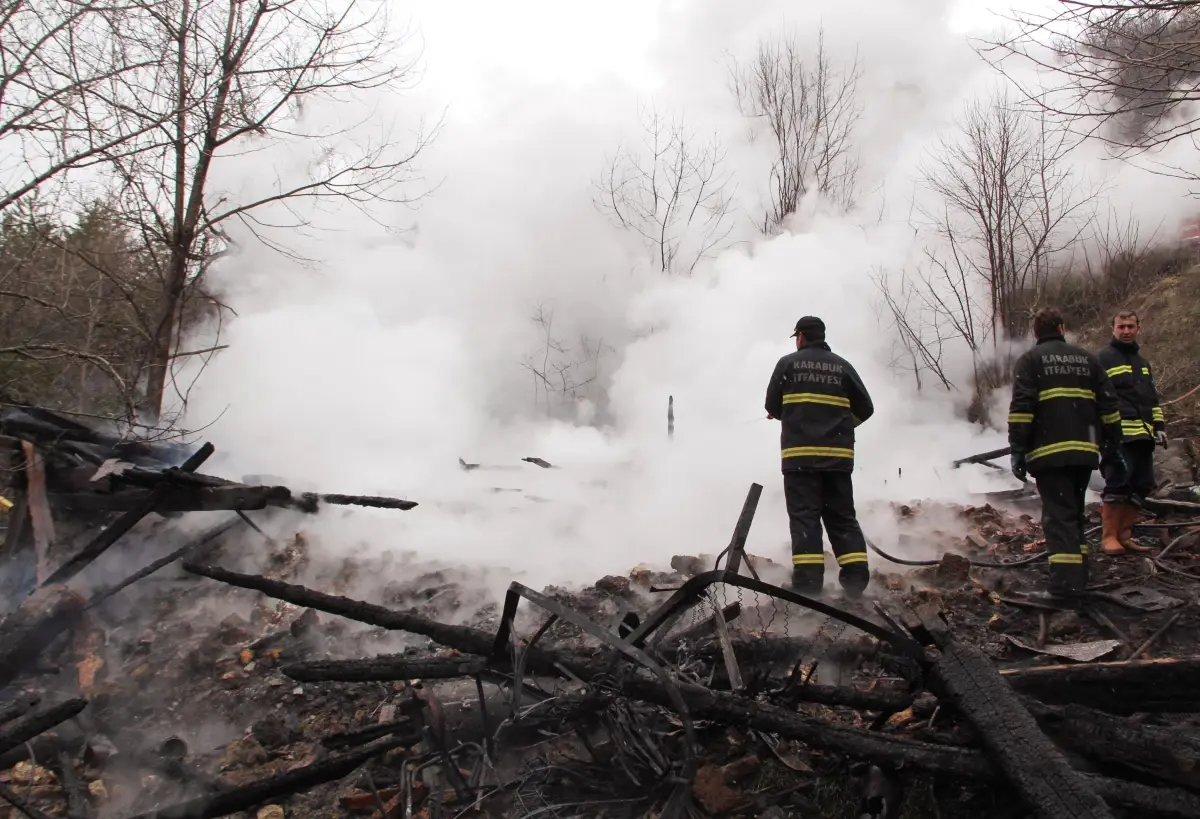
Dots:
(62, 63)
(1006, 206)
(810, 109)
(229, 77)
(672, 192)
(921, 339)
(1003, 210)
(1126, 72)
(560, 372)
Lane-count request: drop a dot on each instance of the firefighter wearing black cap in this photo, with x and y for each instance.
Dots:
(1129, 478)
(1063, 412)
(819, 400)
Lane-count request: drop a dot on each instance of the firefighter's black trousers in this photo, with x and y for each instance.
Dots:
(1132, 476)
(816, 497)
(1063, 490)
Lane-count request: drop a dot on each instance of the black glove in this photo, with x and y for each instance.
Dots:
(1017, 461)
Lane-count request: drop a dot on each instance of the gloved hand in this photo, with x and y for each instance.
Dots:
(1017, 465)
(1160, 438)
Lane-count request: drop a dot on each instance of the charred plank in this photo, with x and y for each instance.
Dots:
(101, 543)
(1124, 687)
(243, 797)
(1169, 754)
(25, 728)
(171, 499)
(19, 707)
(26, 631)
(964, 676)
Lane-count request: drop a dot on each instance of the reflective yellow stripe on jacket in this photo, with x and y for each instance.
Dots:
(1066, 392)
(1157, 416)
(1122, 369)
(1064, 446)
(1020, 418)
(1111, 418)
(1131, 429)
(816, 398)
(818, 452)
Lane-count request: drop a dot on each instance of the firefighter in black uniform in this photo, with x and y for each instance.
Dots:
(819, 400)
(1063, 413)
(1130, 477)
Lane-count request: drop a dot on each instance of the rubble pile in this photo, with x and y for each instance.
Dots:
(197, 688)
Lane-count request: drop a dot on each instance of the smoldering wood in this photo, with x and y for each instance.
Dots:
(195, 543)
(25, 728)
(26, 632)
(178, 499)
(242, 797)
(963, 676)
(370, 733)
(112, 533)
(78, 805)
(18, 707)
(1169, 754)
(1119, 687)
(730, 709)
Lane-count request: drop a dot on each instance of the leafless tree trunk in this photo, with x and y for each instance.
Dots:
(672, 192)
(1126, 72)
(233, 76)
(809, 108)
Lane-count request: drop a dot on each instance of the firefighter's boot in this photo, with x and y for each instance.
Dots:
(1111, 517)
(1130, 515)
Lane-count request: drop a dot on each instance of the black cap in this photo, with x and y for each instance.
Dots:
(811, 326)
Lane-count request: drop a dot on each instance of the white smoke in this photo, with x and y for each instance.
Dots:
(377, 370)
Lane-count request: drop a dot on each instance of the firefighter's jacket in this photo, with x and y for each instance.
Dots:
(819, 400)
(1063, 407)
(1131, 377)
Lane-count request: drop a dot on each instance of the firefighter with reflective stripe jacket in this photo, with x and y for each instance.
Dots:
(1063, 412)
(1129, 478)
(819, 400)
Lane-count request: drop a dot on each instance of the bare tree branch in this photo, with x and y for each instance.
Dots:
(672, 193)
(810, 109)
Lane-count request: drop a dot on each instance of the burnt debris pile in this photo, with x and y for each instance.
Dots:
(952, 690)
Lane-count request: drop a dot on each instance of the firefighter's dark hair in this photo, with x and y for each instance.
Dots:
(1126, 314)
(1047, 321)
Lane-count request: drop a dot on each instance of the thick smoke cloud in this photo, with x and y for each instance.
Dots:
(400, 352)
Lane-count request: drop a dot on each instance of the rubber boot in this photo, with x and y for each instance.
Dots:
(1111, 516)
(1131, 515)
(854, 579)
(808, 580)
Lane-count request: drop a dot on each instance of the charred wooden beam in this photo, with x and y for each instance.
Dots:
(243, 797)
(25, 728)
(964, 676)
(401, 667)
(1036, 768)
(19, 707)
(722, 707)
(172, 499)
(1169, 754)
(1123, 687)
(26, 632)
(101, 543)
